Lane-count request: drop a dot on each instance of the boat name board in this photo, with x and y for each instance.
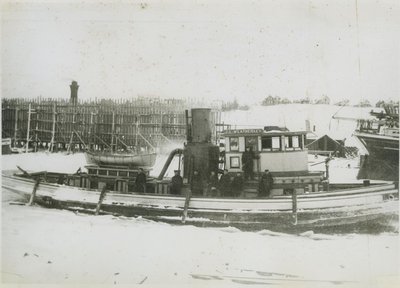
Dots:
(244, 131)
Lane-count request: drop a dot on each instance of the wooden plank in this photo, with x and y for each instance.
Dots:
(33, 195)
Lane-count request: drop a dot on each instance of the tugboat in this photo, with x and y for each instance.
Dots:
(380, 137)
(298, 199)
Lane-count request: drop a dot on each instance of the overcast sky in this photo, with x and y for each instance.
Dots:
(210, 49)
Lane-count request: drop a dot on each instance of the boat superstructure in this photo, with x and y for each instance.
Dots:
(380, 136)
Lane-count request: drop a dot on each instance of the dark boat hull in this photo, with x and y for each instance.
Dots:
(382, 161)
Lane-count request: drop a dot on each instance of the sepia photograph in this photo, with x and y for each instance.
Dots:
(200, 143)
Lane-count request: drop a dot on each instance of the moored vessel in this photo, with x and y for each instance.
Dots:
(297, 200)
(380, 137)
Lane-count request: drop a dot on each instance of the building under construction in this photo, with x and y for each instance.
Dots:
(54, 124)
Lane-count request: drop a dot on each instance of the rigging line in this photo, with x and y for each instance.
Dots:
(333, 117)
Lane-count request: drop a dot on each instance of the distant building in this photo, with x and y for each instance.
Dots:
(363, 103)
(344, 102)
(269, 101)
(303, 101)
(324, 100)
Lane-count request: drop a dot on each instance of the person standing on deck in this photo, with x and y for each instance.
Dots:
(225, 184)
(140, 181)
(247, 163)
(213, 184)
(237, 185)
(176, 183)
(197, 184)
(265, 184)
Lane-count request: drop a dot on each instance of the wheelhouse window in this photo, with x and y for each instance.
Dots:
(276, 143)
(266, 143)
(292, 142)
(234, 143)
(271, 143)
(296, 142)
(251, 142)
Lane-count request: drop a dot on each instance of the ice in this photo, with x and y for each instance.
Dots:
(49, 246)
(43, 161)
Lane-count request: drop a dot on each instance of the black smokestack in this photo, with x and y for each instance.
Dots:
(74, 93)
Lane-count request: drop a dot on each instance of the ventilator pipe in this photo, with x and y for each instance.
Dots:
(168, 162)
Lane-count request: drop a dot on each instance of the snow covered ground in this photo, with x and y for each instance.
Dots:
(46, 246)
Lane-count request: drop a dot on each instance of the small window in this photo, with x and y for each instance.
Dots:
(123, 173)
(234, 161)
(112, 173)
(234, 143)
(288, 142)
(295, 142)
(276, 143)
(292, 142)
(266, 143)
(251, 142)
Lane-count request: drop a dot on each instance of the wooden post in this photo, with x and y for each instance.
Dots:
(16, 126)
(186, 207)
(327, 173)
(36, 138)
(70, 142)
(33, 195)
(294, 206)
(101, 198)
(53, 131)
(136, 133)
(28, 128)
(91, 131)
(112, 132)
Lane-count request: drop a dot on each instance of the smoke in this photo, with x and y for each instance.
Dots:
(169, 146)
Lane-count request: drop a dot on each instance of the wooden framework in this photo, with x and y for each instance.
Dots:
(55, 124)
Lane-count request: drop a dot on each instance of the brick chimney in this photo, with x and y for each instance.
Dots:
(74, 93)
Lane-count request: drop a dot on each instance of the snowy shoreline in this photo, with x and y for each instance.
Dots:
(44, 246)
